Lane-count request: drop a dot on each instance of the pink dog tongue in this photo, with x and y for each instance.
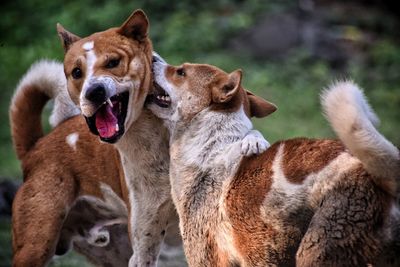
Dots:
(106, 122)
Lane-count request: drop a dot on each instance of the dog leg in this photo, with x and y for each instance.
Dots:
(346, 230)
(149, 221)
(39, 209)
(254, 143)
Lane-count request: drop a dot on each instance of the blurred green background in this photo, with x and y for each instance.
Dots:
(288, 50)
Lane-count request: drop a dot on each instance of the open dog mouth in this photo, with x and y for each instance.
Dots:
(109, 119)
(159, 96)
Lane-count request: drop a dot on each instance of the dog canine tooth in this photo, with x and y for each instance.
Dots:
(117, 127)
(109, 102)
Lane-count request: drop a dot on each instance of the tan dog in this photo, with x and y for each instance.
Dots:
(73, 191)
(109, 75)
(303, 202)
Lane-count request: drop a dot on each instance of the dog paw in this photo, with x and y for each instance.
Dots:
(253, 143)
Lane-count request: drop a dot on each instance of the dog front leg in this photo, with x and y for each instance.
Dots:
(149, 220)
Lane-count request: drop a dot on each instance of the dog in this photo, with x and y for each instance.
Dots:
(73, 191)
(109, 75)
(303, 202)
(96, 223)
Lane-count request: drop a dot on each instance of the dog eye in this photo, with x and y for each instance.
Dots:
(112, 63)
(180, 72)
(76, 73)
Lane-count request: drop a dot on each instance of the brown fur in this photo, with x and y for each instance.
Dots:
(55, 176)
(244, 212)
(213, 87)
(305, 156)
(26, 132)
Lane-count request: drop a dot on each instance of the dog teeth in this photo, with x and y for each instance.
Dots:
(116, 127)
(109, 102)
(163, 97)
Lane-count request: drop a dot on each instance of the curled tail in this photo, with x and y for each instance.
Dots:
(353, 120)
(45, 80)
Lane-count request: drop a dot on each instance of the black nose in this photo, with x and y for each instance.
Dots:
(157, 58)
(96, 93)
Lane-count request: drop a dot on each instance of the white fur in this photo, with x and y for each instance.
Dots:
(152, 210)
(90, 62)
(48, 76)
(71, 140)
(201, 149)
(353, 120)
(88, 46)
(279, 180)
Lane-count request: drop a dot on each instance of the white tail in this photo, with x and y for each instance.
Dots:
(353, 120)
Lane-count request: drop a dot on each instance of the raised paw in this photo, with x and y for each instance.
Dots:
(253, 143)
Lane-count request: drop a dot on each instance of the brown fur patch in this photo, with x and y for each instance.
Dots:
(26, 131)
(257, 241)
(302, 157)
(254, 178)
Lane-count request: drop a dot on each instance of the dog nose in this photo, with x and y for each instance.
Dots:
(96, 93)
(157, 58)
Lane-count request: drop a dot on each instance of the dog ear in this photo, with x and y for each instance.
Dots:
(259, 107)
(136, 26)
(224, 93)
(66, 37)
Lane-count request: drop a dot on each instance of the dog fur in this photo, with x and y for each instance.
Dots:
(140, 138)
(303, 202)
(72, 185)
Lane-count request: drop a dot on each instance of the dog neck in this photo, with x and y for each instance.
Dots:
(204, 154)
(144, 151)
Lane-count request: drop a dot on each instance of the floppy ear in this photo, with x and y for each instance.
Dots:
(136, 26)
(67, 38)
(259, 107)
(229, 89)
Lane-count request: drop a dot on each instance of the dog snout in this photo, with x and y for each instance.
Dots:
(157, 58)
(96, 93)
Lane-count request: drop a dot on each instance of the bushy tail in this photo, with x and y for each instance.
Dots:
(353, 120)
(44, 80)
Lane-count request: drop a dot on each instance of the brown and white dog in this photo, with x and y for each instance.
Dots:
(73, 191)
(303, 202)
(109, 75)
